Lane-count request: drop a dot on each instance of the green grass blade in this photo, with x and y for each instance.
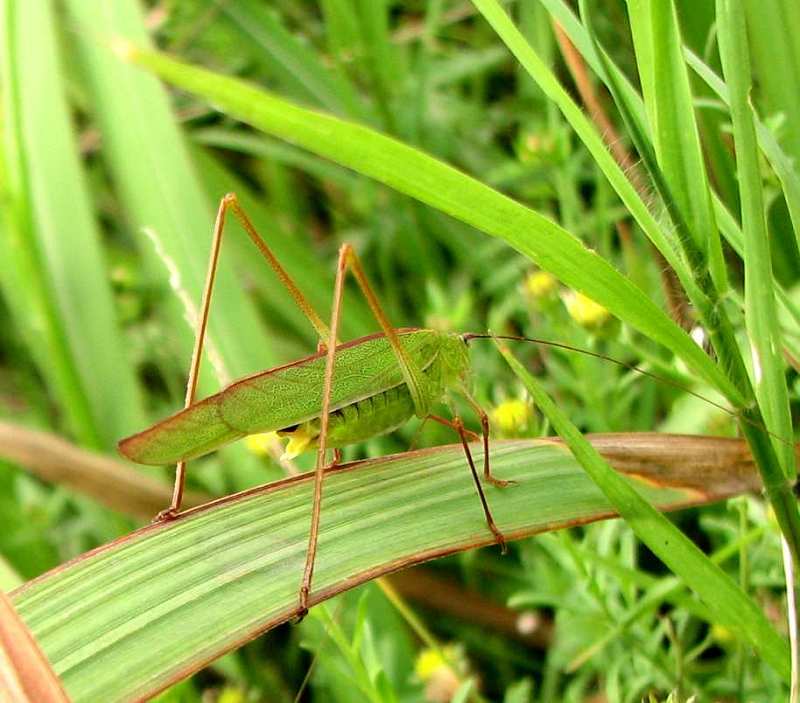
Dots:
(381, 57)
(773, 30)
(341, 27)
(760, 307)
(778, 488)
(63, 262)
(435, 183)
(160, 190)
(670, 107)
(780, 161)
(588, 134)
(729, 604)
(299, 68)
(564, 15)
(22, 276)
(126, 620)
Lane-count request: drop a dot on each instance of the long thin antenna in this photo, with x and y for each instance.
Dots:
(631, 367)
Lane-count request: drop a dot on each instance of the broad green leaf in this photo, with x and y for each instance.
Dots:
(129, 618)
(25, 674)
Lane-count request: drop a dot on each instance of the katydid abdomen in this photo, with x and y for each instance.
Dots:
(368, 398)
(357, 422)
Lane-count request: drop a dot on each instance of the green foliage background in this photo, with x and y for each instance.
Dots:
(109, 186)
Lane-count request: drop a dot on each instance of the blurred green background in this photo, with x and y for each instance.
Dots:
(110, 183)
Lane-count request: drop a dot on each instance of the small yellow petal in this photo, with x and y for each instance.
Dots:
(260, 443)
(428, 663)
(540, 284)
(722, 634)
(585, 311)
(511, 415)
(299, 440)
(229, 694)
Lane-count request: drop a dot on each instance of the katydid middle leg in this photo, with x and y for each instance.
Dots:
(466, 436)
(458, 426)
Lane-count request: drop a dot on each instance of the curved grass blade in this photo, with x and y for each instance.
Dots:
(547, 81)
(128, 619)
(717, 322)
(25, 674)
(431, 181)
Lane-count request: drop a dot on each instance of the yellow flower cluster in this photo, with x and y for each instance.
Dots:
(585, 311)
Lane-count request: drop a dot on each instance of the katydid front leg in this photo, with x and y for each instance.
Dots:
(231, 202)
(484, 418)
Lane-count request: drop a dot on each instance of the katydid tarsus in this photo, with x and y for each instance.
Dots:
(345, 393)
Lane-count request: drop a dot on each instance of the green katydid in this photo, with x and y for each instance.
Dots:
(345, 393)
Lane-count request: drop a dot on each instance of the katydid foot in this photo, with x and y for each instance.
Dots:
(499, 482)
(303, 610)
(166, 515)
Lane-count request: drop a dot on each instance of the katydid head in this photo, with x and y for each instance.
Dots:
(454, 355)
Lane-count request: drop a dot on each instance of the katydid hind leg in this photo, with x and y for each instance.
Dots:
(412, 374)
(229, 202)
(319, 472)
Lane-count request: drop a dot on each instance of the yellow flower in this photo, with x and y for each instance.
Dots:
(540, 284)
(440, 679)
(259, 443)
(511, 416)
(722, 634)
(535, 147)
(301, 438)
(428, 663)
(585, 311)
(231, 695)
